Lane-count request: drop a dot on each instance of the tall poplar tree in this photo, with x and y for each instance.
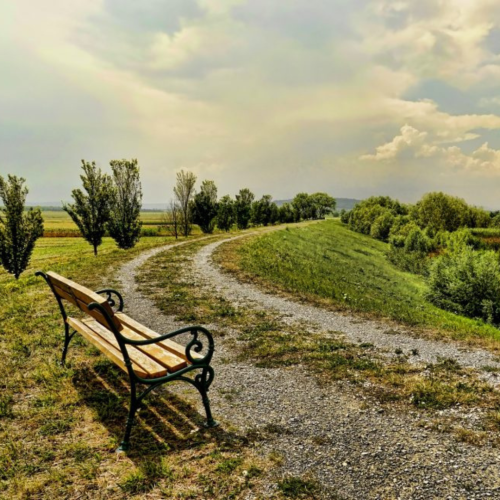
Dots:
(243, 208)
(19, 229)
(124, 225)
(90, 211)
(204, 207)
(184, 192)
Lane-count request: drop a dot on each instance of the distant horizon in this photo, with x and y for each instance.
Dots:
(164, 205)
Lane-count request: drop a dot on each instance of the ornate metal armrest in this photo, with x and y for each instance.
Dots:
(109, 292)
(196, 343)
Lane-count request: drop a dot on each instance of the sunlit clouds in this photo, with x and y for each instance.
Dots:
(353, 97)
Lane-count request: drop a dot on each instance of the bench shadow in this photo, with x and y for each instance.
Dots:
(165, 424)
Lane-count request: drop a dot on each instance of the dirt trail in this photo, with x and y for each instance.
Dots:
(356, 330)
(354, 449)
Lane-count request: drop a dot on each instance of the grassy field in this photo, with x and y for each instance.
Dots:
(59, 426)
(329, 264)
(59, 219)
(57, 223)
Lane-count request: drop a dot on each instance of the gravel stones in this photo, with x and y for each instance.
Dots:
(352, 446)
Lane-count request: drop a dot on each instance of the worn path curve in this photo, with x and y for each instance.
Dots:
(356, 330)
(355, 449)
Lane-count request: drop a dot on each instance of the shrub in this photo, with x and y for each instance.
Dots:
(381, 226)
(409, 250)
(344, 216)
(495, 221)
(458, 240)
(467, 282)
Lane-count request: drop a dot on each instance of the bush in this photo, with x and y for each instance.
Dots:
(495, 221)
(459, 240)
(381, 226)
(467, 282)
(409, 250)
(344, 216)
(365, 213)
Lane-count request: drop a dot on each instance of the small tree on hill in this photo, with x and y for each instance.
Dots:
(124, 225)
(204, 207)
(225, 213)
(303, 205)
(243, 208)
(184, 192)
(322, 204)
(19, 230)
(90, 211)
(171, 219)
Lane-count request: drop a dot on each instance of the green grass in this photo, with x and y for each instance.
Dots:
(330, 264)
(59, 426)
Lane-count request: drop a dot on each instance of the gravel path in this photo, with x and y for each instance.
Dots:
(356, 330)
(352, 446)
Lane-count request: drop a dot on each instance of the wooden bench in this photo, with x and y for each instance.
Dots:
(149, 359)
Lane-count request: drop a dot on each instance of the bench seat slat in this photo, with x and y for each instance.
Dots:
(169, 345)
(150, 366)
(111, 352)
(167, 359)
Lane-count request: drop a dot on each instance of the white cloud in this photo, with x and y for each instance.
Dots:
(418, 144)
(410, 138)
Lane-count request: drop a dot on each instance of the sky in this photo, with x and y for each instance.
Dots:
(349, 97)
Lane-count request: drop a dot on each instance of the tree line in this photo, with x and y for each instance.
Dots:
(438, 237)
(206, 210)
(111, 204)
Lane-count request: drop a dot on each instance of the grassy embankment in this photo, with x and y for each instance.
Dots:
(338, 268)
(59, 427)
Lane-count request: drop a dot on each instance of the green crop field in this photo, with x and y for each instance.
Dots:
(328, 263)
(58, 223)
(59, 219)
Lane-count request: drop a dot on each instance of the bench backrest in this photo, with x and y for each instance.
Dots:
(81, 297)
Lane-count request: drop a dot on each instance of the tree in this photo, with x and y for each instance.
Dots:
(225, 213)
(286, 213)
(302, 204)
(322, 204)
(90, 211)
(264, 211)
(184, 192)
(124, 225)
(204, 207)
(243, 208)
(442, 212)
(19, 230)
(364, 214)
(171, 219)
